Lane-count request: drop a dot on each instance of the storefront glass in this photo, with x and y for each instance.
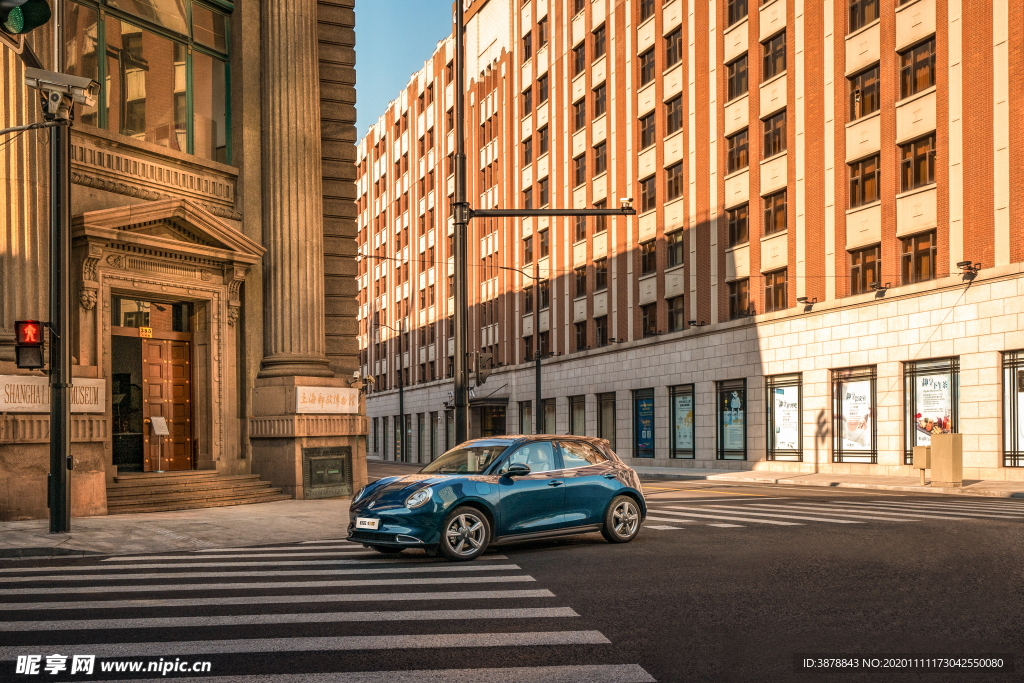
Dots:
(853, 415)
(1013, 409)
(931, 389)
(643, 423)
(732, 419)
(681, 406)
(784, 400)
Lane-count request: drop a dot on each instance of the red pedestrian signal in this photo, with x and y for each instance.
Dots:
(28, 344)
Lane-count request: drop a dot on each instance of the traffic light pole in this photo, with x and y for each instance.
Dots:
(461, 208)
(60, 315)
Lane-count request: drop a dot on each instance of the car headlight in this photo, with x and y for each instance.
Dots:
(419, 498)
(362, 492)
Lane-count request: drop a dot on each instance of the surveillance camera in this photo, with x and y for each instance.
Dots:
(963, 264)
(61, 91)
(355, 376)
(370, 379)
(626, 200)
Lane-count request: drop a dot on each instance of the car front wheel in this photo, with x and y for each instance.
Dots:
(622, 521)
(465, 534)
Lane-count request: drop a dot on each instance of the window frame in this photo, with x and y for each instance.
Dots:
(676, 248)
(600, 94)
(575, 423)
(734, 219)
(774, 207)
(776, 290)
(649, 320)
(859, 12)
(840, 378)
(735, 80)
(674, 184)
(676, 309)
(674, 47)
(579, 170)
(856, 195)
(773, 382)
(649, 194)
(674, 115)
(910, 60)
(739, 298)
(601, 274)
(647, 132)
(639, 396)
(674, 394)
(859, 283)
(722, 391)
(909, 274)
(913, 155)
(606, 428)
(773, 55)
(775, 137)
(648, 257)
(912, 370)
(1012, 372)
(737, 156)
(857, 90)
(600, 158)
(599, 41)
(736, 11)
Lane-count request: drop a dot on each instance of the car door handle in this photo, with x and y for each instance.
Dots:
(555, 483)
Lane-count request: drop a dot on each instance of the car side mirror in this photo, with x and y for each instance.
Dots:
(517, 469)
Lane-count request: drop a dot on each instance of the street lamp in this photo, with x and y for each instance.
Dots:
(401, 390)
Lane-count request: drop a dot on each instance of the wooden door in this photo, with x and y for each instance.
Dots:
(168, 394)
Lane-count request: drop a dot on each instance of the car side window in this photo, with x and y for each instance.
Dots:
(579, 454)
(539, 456)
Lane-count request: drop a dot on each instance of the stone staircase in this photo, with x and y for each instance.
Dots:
(186, 490)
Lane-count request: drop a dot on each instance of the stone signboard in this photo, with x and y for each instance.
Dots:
(31, 394)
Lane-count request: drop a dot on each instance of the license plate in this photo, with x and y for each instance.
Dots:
(367, 523)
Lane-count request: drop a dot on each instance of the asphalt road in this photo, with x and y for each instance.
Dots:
(724, 583)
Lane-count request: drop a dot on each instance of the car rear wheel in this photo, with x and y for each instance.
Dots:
(622, 521)
(386, 550)
(465, 534)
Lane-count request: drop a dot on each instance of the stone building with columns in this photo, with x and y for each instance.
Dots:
(213, 229)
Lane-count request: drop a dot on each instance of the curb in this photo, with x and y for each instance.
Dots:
(988, 493)
(45, 552)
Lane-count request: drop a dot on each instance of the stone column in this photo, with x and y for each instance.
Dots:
(293, 267)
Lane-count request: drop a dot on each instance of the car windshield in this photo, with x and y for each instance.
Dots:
(470, 459)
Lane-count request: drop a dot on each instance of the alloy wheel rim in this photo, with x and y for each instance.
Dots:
(625, 518)
(465, 534)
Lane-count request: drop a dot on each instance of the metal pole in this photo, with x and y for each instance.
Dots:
(401, 388)
(537, 414)
(461, 208)
(60, 318)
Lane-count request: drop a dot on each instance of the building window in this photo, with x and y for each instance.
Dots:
(600, 100)
(681, 404)
(775, 213)
(528, 347)
(543, 133)
(542, 33)
(917, 163)
(673, 115)
(643, 423)
(774, 52)
(527, 151)
(545, 195)
(528, 250)
(527, 102)
(676, 247)
(421, 435)
(545, 243)
(528, 198)
(864, 182)
(853, 415)
(931, 397)
(864, 93)
(736, 152)
(171, 93)
(738, 230)
(862, 13)
(864, 269)
(544, 295)
(674, 48)
(581, 281)
(648, 194)
(737, 10)
(601, 330)
(739, 299)
(547, 407)
(599, 42)
(784, 398)
(579, 170)
(646, 67)
(731, 400)
(528, 46)
(648, 257)
(542, 89)
(917, 258)
(600, 222)
(578, 415)
(526, 417)
(737, 78)
(580, 231)
(579, 59)
(600, 158)
(581, 336)
(775, 135)
(775, 298)
(646, 9)
(1013, 409)
(646, 131)
(606, 417)
(527, 300)
(600, 275)
(917, 68)
(676, 314)
(674, 181)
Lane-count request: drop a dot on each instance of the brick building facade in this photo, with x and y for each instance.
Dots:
(822, 272)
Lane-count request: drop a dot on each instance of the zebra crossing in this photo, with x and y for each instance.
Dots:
(669, 515)
(334, 603)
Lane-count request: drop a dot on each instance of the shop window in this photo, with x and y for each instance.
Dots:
(784, 398)
(864, 269)
(681, 407)
(737, 84)
(917, 258)
(864, 93)
(1013, 409)
(548, 411)
(578, 415)
(676, 248)
(775, 213)
(931, 391)
(854, 401)
(736, 152)
(774, 54)
(775, 296)
(643, 423)
(449, 429)
(526, 417)
(606, 417)
(676, 314)
(864, 182)
(917, 68)
(731, 399)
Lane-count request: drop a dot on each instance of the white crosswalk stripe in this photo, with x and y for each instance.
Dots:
(729, 508)
(960, 509)
(923, 509)
(836, 512)
(690, 513)
(76, 607)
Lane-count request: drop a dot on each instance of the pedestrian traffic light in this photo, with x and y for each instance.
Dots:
(28, 344)
(481, 367)
(18, 17)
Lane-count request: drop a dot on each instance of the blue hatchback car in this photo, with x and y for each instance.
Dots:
(497, 490)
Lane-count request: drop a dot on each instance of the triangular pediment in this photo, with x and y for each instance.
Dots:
(170, 224)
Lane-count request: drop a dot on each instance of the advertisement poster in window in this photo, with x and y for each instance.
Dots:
(733, 410)
(786, 418)
(856, 416)
(684, 422)
(645, 424)
(1020, 402)
(934, 407)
